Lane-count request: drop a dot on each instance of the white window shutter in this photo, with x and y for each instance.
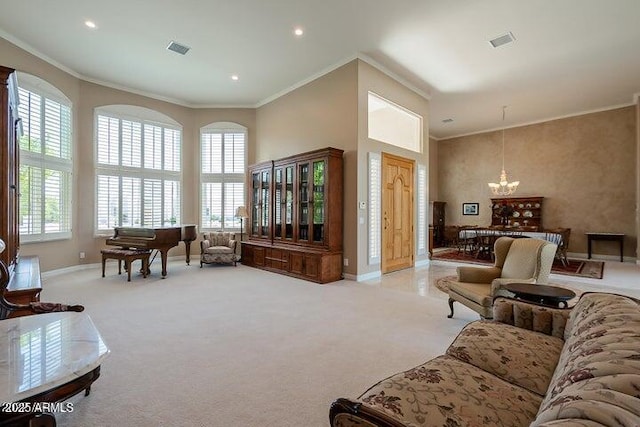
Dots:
(375, 210)
(144, 189)
(223, 160)
(46, 167)
(422, 210)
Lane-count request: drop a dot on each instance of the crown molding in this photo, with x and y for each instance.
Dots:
(535, 122)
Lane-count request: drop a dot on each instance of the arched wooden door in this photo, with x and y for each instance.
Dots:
(397, 213)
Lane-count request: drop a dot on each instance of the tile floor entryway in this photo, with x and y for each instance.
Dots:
(618, 277)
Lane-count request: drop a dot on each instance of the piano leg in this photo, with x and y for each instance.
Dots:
(187, 245)
(163, 256)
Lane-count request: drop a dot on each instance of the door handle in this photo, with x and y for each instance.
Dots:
(386, 221)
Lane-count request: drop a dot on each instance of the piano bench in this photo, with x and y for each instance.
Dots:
(128, 256)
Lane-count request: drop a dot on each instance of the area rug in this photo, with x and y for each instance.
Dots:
(581, 268)
(442, 284)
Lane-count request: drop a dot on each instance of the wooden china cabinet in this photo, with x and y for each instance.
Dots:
(295, 208)
(524, 212)
(9, 126)
(24, 272)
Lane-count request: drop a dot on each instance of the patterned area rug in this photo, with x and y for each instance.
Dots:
(442, 284)
(580, 268)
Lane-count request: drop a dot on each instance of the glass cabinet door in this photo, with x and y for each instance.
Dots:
(264, 214)
(277, 203)
(303, 201)
(318, 200)
(288, 203)
(255, 203)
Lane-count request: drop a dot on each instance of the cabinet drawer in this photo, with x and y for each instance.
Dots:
(277, 258)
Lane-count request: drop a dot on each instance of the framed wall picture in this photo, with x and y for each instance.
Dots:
(470, 208)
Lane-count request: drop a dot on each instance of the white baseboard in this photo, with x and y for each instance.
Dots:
(80, 267)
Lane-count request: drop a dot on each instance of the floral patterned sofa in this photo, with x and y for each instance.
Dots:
(529, 366)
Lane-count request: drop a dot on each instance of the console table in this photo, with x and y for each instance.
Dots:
(48, 358)
(613, 237)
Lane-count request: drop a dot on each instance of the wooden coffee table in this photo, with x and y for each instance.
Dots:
(552, 296)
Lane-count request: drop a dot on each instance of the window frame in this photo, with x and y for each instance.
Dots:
(223, 178)
(43, 162)
(142, 173)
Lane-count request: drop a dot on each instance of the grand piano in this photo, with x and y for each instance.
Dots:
(162, 239)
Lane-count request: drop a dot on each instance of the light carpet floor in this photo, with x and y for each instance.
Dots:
(236, 346)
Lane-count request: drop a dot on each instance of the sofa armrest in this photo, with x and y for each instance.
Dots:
(532, 316)
(204, 245)
(478, 274)
(232, 244)
(347, 413)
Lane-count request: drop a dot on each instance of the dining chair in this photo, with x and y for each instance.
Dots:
(485, 241)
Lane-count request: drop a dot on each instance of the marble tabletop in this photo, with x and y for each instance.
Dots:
(40, 352)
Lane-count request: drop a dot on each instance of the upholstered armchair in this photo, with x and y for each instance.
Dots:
(218, 247)
(516, 261)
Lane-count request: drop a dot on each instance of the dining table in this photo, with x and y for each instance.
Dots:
(485, 238)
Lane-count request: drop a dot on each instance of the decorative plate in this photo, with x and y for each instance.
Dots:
(528, 205)
(516, 224)
(527, 214)
(521, 206)
(537, 205)
(516, 214)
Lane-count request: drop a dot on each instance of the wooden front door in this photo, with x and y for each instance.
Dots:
(397, 213)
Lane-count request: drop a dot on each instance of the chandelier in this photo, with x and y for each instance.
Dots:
(503, 187)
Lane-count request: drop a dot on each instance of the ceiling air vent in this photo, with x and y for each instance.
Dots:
(447, 120)
(502, 40)
(178, 48)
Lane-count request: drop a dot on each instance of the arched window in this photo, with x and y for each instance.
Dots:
(138, 168)
(46, 162)
(223, 154)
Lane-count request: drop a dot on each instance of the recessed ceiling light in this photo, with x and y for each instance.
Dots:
(235, 77)
(298, 31)
(90, 24)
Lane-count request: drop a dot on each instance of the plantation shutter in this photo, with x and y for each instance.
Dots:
(45, 167)
(108, 140)
(422, 210)
(152, 147)
(375, 194)
(143, 163)
(152, 190)
(131, 144)
(108, 211)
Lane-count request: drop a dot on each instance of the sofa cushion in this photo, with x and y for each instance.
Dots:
(218, 250)
(446, 391)
(516, 355)
(480, 293)
(598, 374)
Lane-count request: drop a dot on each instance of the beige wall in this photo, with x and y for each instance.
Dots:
(371, 79)
(85, 97)
(322, 113)
(583, 167)
(433, 171)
